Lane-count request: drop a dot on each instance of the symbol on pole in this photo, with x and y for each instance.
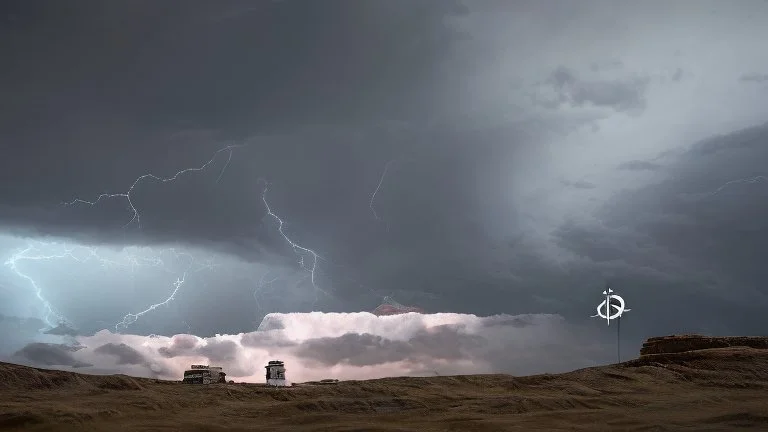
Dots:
(611, 301)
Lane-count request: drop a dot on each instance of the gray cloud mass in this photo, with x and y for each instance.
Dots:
(48, 354)
(754, 77)
(496, 160)
(626, 95)
(124, 353)
(637, 165)
(443, 343)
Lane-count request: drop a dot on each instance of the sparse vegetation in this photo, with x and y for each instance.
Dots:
(710, 389)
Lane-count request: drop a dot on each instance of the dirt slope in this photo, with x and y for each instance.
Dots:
(716, 389)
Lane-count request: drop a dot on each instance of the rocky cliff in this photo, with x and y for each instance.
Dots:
(682, 343)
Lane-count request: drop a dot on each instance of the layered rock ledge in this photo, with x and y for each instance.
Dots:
(692, 342)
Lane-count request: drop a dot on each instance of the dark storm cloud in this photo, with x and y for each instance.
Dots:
(626, 95)
(754, 78)
(639, 165)
(446, 341)
(504, 320)
(439, 343)
(357, 349)
(746, 139)
(324, 95)
(696, 237)
(62, 330)
(48, 354)
(612, 250)
(122, 107)
(579, 184)
(18, 332)
(14, 324)
(125, 354)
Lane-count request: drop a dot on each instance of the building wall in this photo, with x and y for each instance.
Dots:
(275, 372)
(203, 376)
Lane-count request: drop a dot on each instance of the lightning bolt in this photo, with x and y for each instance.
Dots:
(298, 249)
(376, 191)
(51, 317)
(127, 195)
(748, 180)
(82, 255)
(131, 318)
(304, 254)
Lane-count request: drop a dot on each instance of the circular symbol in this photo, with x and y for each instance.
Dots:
(611, 301)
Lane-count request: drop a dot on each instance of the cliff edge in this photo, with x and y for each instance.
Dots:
(691, 342)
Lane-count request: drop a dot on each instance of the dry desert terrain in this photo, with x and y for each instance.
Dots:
(678, 383)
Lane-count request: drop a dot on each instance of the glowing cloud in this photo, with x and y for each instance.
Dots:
(343, 346)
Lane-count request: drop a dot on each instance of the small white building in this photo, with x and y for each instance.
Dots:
(276, 373)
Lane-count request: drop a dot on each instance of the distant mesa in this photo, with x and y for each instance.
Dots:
(391, 307)
(692, 342)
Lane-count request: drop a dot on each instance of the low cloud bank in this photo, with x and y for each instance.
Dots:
(343, 346)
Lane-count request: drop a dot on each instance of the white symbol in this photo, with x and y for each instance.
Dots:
(606, 305)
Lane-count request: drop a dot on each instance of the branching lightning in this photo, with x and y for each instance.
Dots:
(82, 255)
(748, 180)
(300, 250)
(136, 217)
(376, 191)
(51, 317)
(131, 318)
(308, 259)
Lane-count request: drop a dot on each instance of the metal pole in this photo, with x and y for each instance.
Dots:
(618, 339)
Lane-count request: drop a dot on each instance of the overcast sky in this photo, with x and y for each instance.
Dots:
(486, 159)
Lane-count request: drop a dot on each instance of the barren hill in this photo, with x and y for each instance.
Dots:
(707, 389)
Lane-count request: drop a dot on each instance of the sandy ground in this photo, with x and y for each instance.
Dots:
(722, 389)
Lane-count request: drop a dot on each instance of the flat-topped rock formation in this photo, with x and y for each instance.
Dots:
(692, 342)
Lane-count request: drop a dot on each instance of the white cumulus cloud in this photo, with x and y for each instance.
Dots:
(321, 345)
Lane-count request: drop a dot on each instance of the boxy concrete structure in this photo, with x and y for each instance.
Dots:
(276, 373)
(202, 374)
